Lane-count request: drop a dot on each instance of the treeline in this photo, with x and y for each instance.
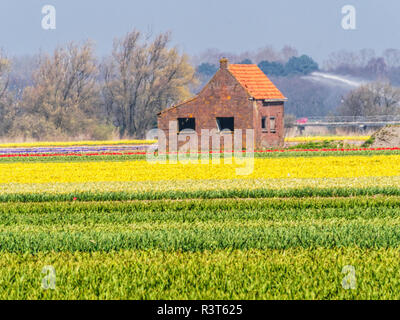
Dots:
(309, 98)
(379, 97)
(70, 94)
(302, 65)
(286, 68)
(373, 99)
(366, 64)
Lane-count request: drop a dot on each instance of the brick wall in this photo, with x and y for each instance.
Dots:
(264, 137)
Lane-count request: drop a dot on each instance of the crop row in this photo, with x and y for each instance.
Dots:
(201, 194)
(119, 220)
(196, 225)
(179, 188)
(239, 237)
(83, 157)
(266, 168)
(216, 210)
(135, 142)
(86, 227)
(221, 274)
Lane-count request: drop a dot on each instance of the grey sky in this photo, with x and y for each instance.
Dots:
(312, 26)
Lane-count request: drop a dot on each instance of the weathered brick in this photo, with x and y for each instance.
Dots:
(224, 96)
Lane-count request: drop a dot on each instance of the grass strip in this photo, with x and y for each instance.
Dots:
(201, 194)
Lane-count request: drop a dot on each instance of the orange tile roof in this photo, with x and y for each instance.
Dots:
(255, 82)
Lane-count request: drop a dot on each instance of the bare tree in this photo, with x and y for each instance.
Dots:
(340, 59)
(64, 94)
(378, 98)
(141, 78)
(21, 72)
(288, 52)
(212, 56)
(392, 58)
(267, 53)
(377, 67)
(7, 101)
(5, 67)
(364, 56)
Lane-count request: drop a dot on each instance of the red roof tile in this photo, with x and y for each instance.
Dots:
(255, 82)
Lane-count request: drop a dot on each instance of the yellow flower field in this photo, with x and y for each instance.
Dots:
(266, 168)
(197, 185)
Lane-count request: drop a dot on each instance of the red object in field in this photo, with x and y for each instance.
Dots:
(302, 120)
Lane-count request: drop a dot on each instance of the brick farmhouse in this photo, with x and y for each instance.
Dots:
(239, 96)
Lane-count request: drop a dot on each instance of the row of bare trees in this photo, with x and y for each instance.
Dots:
(372, 99)
(366, 64)
(72, 94)
(6, 100)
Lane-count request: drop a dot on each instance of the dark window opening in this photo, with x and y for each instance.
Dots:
(264, 123)
(272, 103)
(225, 123)
(272, 124)
(186, 123)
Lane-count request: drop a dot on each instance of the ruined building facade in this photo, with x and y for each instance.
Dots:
(239, 96)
